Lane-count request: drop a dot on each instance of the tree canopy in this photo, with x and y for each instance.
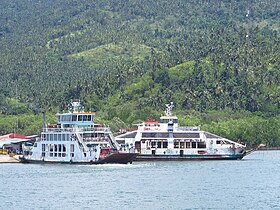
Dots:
(127, 58)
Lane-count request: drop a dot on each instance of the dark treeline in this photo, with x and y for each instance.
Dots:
(126, 59)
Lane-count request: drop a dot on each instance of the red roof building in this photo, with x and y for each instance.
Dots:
(13, 136)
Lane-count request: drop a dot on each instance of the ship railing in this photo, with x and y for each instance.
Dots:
(55, 130)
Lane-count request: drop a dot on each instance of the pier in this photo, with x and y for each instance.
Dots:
(9, 159)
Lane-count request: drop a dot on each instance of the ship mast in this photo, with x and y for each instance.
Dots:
(168, 111)
(75, 106)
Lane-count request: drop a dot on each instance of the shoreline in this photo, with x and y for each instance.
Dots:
(269, 148)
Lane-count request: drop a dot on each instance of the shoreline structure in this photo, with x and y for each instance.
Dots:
(9, 159)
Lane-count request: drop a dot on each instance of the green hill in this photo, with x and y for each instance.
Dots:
(129, 58)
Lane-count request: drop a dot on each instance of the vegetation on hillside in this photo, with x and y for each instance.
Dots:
(218, 61)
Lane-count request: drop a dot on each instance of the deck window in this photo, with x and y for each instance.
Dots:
(66, 118)
(65, 137)
(43, 147)
(72, 148)
(176, 145)
(63, 148)
(186, 135)
(182, 145)
(51, 147)
(201, 145)
(74, 118)
(148, 144)
(188, 145)
(168, 120)
(164, 144)
(85, 118)
(193, 144)
(155, 135)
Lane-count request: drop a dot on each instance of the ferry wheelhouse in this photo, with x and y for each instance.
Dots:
(76, 139)
(166, 140)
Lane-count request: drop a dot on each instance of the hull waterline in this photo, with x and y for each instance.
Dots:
(187, 157)
(115, 158)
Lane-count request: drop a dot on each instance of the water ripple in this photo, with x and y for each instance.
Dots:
(252, 183)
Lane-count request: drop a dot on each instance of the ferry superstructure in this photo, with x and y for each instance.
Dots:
(166, 140)
(76, 139)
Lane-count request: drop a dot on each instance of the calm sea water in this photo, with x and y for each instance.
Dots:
(252, 183)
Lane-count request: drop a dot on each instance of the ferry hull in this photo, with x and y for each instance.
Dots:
(187, 157)
(115, 158)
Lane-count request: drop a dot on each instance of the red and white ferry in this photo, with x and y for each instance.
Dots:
(166, 140)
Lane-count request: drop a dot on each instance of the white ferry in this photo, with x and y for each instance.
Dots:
(76, 139)
(166, 140)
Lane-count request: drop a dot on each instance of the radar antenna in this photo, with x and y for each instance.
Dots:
(75, 106)
(168, 111)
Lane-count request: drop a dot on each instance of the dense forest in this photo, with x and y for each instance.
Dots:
(217, 60)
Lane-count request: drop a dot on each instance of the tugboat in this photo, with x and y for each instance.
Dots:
(76, 139)
(166, 140)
